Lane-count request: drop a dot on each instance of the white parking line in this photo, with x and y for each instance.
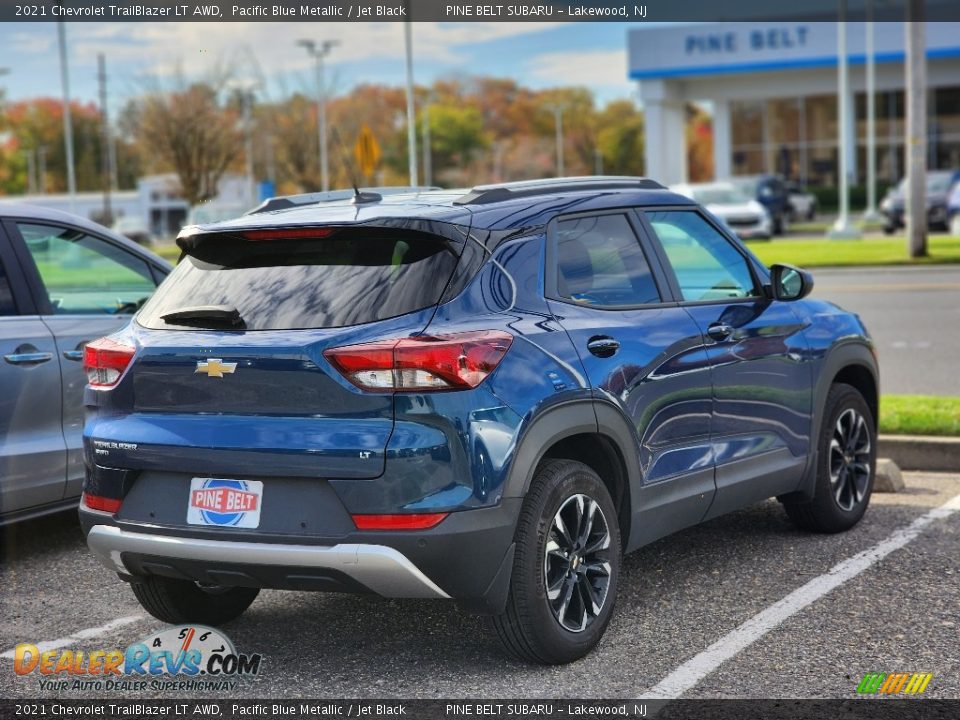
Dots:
(698, 667)
(80, 635)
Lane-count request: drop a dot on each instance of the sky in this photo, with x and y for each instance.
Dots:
(538, 55)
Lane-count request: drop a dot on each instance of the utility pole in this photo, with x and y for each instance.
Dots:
(31, 171)
(842, 229)
(67, 120)
(597, 162)
(105, 141)
(427, 150)
(915, 141)
(557, 110)
(319, 52)
(871, 214)
(411, 111)
(42, 169)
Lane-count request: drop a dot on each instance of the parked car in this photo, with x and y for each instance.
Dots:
(63, 282)
(771, 192)
(803, 204)
(483, 395)
(953, 210)
(940, 183)
(133, 228)
(746, 217)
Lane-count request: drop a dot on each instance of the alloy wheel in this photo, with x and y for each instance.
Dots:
(575, 565)
(850, 459)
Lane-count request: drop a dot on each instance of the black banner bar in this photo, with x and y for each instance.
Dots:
(457, 11)
(219, 709)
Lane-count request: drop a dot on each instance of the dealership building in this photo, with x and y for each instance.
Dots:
(772, 90)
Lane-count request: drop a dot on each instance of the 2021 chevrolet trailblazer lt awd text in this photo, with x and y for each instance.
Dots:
(483, 395)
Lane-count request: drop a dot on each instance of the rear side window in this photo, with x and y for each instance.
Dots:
(347, 279)
(600, 263)
(7, 306)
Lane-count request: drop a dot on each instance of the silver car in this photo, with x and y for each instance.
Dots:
(63, 282)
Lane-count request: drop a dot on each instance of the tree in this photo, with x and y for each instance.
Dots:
(193, 132)
(699, 132)
(620, 137)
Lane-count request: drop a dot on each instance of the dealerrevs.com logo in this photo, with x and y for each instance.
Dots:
(894, 683)
(186, 657)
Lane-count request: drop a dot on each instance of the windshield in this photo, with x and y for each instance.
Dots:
(720, 196)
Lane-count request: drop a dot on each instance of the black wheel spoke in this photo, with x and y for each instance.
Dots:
(849, 459)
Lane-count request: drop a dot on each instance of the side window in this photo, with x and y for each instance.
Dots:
(7, 306)
(600, 263)
(706, 264)
(84, 274)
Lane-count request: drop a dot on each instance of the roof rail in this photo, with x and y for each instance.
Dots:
(288, 201)
(483, 194)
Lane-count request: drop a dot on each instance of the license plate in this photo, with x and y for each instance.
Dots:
(225, 503)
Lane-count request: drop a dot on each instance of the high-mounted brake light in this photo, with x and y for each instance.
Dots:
(104, 361)
(104, 504)
(407, 521)
(288, 233)
(448, 362)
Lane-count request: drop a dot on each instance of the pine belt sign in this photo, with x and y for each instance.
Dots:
(366, 151)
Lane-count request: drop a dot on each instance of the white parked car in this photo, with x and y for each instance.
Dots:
(803, 204)
(743, 215)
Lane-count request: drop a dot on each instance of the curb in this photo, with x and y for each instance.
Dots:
(921, 452)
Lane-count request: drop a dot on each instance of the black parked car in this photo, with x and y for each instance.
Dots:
(939, 184)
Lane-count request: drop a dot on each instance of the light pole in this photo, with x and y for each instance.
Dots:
(427, 152)
(842, 228)
(916, 130)
(871, 214)
(67, 120)
(557, 110)
(411, 112)
(246, 90)
(319, 51)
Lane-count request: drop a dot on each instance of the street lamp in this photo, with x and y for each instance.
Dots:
(67, 120)
(319, 51)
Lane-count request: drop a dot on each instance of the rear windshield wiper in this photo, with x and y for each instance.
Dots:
(206, 316)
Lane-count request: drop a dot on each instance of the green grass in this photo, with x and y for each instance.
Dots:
(170, 252)
(919, 415)
(819, 252)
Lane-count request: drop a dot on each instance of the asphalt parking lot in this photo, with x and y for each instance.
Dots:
(727, 609)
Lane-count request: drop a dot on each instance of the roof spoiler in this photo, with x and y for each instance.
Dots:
(283, 202)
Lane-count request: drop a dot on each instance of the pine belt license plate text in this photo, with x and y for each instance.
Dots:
(224, 502)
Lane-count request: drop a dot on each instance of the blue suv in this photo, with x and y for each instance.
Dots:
(483, 395)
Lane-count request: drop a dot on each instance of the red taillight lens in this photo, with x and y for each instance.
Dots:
(97, 502)
(448, 362)
(415, 521)
(104, 361)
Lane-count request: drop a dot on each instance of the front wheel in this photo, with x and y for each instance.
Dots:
(566, 566)
(846, 463)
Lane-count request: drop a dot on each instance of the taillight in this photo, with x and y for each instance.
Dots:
(105, 504)
(104, 361)
(407, 521)
(447, 362)
(288, 234)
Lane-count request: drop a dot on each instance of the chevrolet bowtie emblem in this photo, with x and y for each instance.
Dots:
(215, 367)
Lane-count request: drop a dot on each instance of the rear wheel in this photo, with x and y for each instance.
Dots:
(846, 463)
(566, 566)
(182, 601)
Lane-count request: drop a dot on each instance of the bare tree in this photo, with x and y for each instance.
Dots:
(193, 130)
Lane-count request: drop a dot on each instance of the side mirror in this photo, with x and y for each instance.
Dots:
(789, 283)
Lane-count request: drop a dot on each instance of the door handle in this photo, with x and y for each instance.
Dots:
(603, 345)
(73, 354)
(28, 358)
(719, 331)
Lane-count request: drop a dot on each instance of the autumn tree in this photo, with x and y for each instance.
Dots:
(620, 138)
(193, 131)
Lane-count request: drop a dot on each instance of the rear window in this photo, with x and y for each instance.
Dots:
(347, 279)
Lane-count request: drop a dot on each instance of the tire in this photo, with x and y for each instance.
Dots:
(182, 601)
(533, 626)
(846, 465)
(781, 225)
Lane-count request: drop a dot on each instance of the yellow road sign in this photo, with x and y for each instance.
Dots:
(366, 151)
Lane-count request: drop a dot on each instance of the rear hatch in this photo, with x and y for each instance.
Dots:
(230, 375)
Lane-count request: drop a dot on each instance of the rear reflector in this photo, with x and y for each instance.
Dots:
(289, 234)
(97, 502)
(104, 361)
(416, 521)
(448, 362)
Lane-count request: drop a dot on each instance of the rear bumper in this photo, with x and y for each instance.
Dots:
(379, 568)
(468, 557)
